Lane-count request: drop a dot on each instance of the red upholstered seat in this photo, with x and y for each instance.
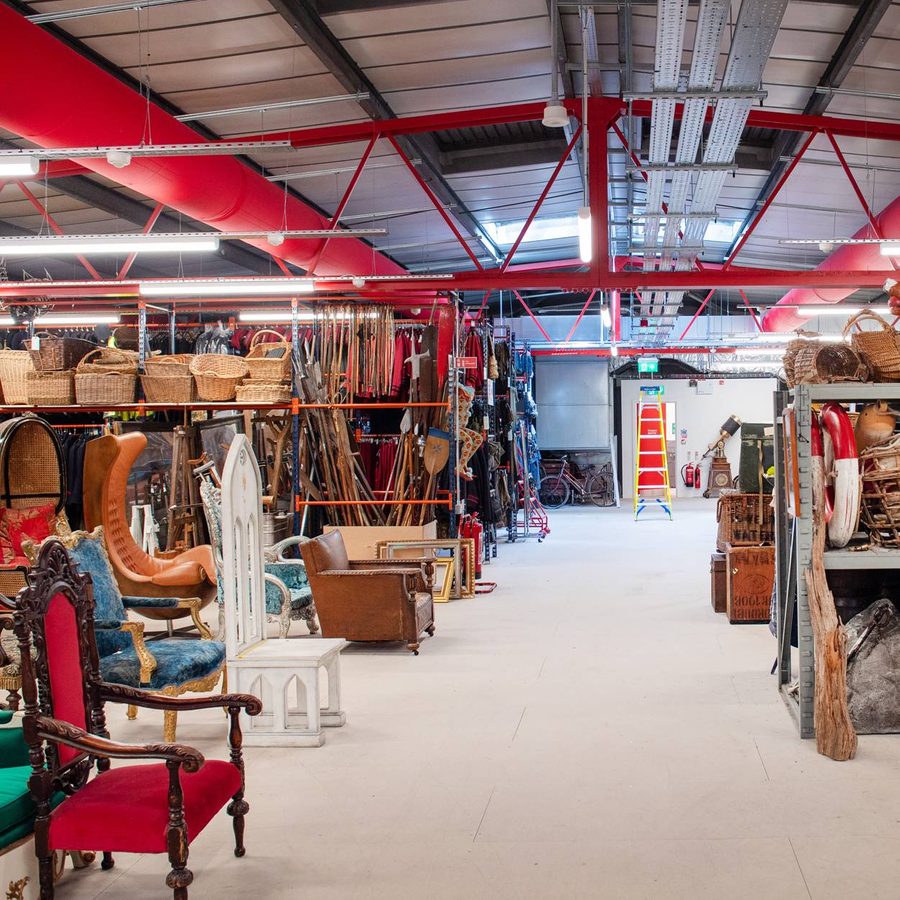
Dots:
(127, 808)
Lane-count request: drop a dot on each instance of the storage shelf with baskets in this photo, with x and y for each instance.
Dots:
(794, 539)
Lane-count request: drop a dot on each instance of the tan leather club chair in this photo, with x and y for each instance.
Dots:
(369, 599)
(107, 465)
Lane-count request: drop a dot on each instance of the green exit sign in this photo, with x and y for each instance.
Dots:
(648, 365)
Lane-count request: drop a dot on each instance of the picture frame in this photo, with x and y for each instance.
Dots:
(444, 568)
(463, 550)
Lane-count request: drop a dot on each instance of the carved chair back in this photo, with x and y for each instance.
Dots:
(55, 615)
(242, 551)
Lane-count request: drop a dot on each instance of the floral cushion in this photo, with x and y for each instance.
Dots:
(16, 525)
(178, 662)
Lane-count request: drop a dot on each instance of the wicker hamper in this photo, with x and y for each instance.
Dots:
(217, 376)
(270, 360)
(744, 519)
(14, 367)
(880, 350)
(168, 388)
(55, 354)
(51, 388)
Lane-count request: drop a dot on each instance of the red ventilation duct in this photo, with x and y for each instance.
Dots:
(865, 257)
(54, 97)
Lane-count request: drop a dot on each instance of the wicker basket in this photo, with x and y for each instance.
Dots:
(816, 362)
(14, 367)
(880, 466)
(217, 376)
(126, 337)
(168, 388)
(51, 388)
(55, 354)
(269, 361)
(744, 519)
(108, 359)
(174, 364)
(880, 350)
(99, 388)
(253, 391)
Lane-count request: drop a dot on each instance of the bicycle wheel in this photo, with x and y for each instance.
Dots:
(554, 492)
(598, 489)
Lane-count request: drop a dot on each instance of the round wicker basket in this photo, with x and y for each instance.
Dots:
(217, 376)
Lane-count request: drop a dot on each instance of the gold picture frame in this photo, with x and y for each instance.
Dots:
(463, 552)
(444, 567)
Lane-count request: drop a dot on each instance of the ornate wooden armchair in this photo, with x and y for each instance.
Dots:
(369, 599)
(170, 666)
(157, 807)
(107, 465)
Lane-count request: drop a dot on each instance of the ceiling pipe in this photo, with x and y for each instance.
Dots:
(847, 257)
(68, 101)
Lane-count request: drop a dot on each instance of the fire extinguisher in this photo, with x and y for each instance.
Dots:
(689, 474)
(471, 527)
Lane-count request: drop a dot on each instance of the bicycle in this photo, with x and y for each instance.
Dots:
(563, 486)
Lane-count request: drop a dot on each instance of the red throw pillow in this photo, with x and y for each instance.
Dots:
(16, 525)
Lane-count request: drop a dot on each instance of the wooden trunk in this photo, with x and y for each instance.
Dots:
(750, 575)
(718, 582)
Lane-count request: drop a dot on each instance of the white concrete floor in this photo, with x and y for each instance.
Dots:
(590, 730)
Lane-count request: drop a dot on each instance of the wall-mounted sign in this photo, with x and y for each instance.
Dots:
(648, 365)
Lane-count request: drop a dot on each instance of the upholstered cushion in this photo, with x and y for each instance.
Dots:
(293, 576)
(326, 552)
(126, 809)
(150, 602)
(16, 805)
(6, 716)
(177, 663)
(13, 749)
(110, 639)
(64, 658)
(89, 554)
(33, 523)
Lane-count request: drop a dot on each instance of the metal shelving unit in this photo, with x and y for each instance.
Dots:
(793, 543)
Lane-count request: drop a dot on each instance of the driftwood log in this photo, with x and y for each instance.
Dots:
(835, 735)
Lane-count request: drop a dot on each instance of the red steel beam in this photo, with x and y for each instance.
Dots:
(436, 202)
(781, 181)
(55, 227)
(696, 315)
(615, 314)
(584, 309)
(534, 318)
(540, 201)
(598, 185)
(148, 227)
(628, 351)
(752, 310)
(336, 218)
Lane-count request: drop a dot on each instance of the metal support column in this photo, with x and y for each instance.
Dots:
(295, 415)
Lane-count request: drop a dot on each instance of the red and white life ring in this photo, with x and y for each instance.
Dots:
(833, 447)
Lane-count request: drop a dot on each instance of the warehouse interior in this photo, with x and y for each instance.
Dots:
(449, 447)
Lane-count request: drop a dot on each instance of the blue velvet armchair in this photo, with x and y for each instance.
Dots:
(288, 594)
(170, 666)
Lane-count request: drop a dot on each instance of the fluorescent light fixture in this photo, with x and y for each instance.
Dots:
(839, 310)
(585, 250)
(605, 317)
(77, 319)
(263, 316)
(6, 321)
(16, 166)
(113, 243)
(890, 249)
(752, 365)
(758, 351)
(259, 287)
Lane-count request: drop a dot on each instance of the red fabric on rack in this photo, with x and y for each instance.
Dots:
(384, 465)
(475, 377)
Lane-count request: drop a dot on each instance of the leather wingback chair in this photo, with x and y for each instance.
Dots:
(369, 599)
(107, 465)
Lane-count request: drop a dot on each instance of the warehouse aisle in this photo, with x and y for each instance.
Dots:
(590, 730)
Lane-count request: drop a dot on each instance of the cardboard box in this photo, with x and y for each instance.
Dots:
(361, 540)
(750, 576)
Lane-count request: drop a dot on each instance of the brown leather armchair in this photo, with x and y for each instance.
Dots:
(107, 465)
(369, 599)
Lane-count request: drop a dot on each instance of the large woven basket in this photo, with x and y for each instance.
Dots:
(168, 388)
(173, 364)
(51, 388)
(99, 388)
(109, 359)
(253, 391)
(14, 367)
(880, 349)
(217, 376)
(54, 353)
(816, 362)
(880, 467)
(269, 360)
